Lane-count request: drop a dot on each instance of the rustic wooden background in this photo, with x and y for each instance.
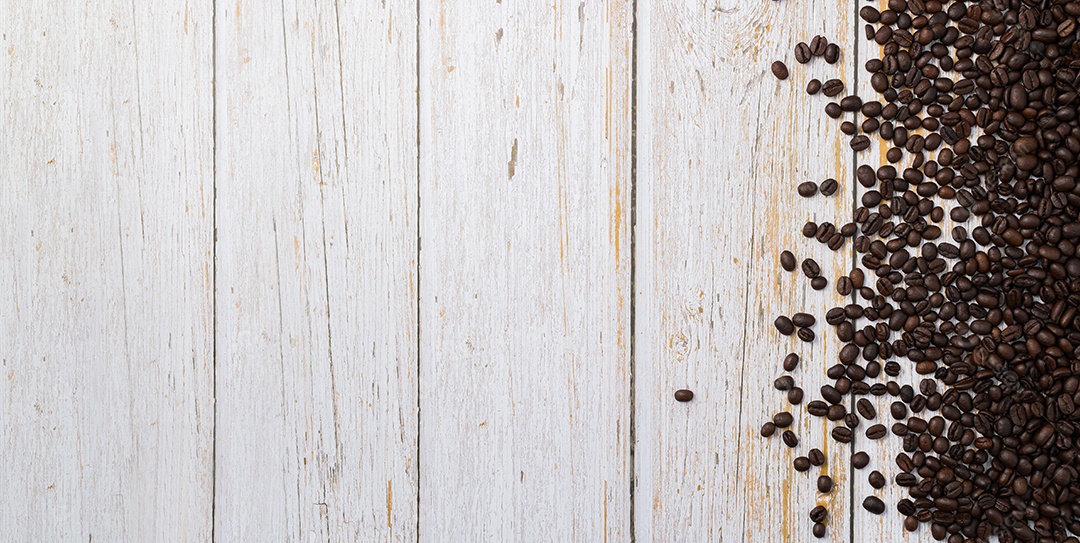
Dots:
(413, 270)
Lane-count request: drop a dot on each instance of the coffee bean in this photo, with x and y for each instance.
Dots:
(768, 429)
(816, 457)
(828, 187)
(784, 325)
(779, 70)
(805, 334)
(783, 420)
(790, 439)
(684, 395)
(813, 87)
(876, 431)
(803, 319)
(842, 434)
(802, 53)
(787, 261)
(832, 87)
(866, 409)
(824, 484)
(810, 268)
(876, 479)
(819, 283)
(808, 189)
(819, 530)
(801, 464)
(795, 396)
(784, 382)
(832, 53)
(819, 513)
(791, 361)
(860, 460)
(874, 505)
(818, 45)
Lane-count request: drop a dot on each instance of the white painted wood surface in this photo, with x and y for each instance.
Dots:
(426, 314)
(722, 145)
(525, 270)
(106, 317)
(316, 280)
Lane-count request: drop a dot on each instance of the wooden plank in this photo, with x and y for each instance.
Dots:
(888, 526)
(317, 258)
(525, 270)
(106, 320)
(721, 147)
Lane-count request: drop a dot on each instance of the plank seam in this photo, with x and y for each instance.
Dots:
(854, 260)
(214, 274)
(419, 240)
(633, 260)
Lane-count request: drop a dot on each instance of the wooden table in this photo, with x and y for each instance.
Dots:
(415, 270)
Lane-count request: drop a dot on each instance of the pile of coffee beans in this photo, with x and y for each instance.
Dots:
(976, 105)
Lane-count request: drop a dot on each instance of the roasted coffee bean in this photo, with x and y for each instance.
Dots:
(819, 283)
(784, 325)
(860, 460)
(801, 464)
(874, 505)
(784, 383)
(684, 395)
(790, 439)
(802, 53)
(805, 334)
(819, 514)
(818, 45)
(791, 361)
(824, 484)
(779, 70)
(783, 419)
(787, 261)
(842, 434)
(832, 53)
(816, 457)
(808, 189)
(819, 530)
(866, 409)
(803, 319)
(828, 187)
(832, 87)
(768, 429)
(810, 268)
(813, 87)
(876, 479)
(876, 431)
(795, 396)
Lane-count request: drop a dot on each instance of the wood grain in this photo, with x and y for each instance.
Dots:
(316, 282)
(525, 270)
(721, 147)
(106, 322)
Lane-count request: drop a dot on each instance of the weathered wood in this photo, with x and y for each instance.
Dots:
(525, 270)
(317, 257)
(721, 147)
(106, 320)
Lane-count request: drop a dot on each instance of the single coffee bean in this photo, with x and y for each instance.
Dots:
(684, 395)
(784, 383)
(787, 261)
(802, 53)
(768, 429)
(801, 464)
(819, 530)
(832, 87)
(795, 396)
(779, 70)
(810, 268)
(790, 439)
(828, 187)
(783, 419)
(876, 479)
(803, 319)
(784, 325)
(842, 434)
(818, 45)
(874, 505)
(876, 431)
(866, 409)
(824, 484)
(805, 334)
(807, 189)
(819, 513)
(832, 53)
(813, 87)
(860, 460)
(816, 457)
(819, 283)
(791, 361)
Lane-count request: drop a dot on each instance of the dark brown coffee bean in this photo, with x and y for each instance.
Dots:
(808, 189)
(779, 70)
(832, 87)
(842, 434)
(784, 325)
(684, 395)
(784, 382)
(790, 439)
(805, 334)
(802, 53)
(819, 530)
(801, 464)
(866, 409)
(819, 513)
(813, 87)
(810, 268)
(783, 420)
(795, 396)
(803, 319)
(874, 505)
(791, 361)
(832, 53)
(876, 479)
(824, 484)
(860, 460)
(768, 429)
(817, 458)
(876, 431)
(787, 261)
(818, 45)
(828, 187)
(819, 283)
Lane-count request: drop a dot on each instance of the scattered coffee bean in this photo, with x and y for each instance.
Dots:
(779, 70)
(824, 484)
(874, 505)
(684, 395)
(808, 189)
(860, 460)
(787, 261)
